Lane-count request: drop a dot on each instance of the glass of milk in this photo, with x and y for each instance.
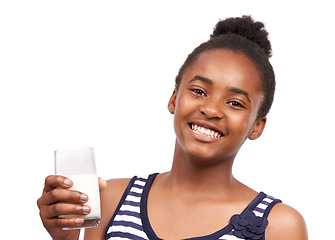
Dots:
(79, 166)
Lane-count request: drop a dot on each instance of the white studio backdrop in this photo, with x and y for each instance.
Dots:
(100, 74)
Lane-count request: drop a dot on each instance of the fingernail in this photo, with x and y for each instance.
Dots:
(83, 197)
(79, 221)
(68, 182)
(86, 209)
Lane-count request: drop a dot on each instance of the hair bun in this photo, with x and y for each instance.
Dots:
(245, 26)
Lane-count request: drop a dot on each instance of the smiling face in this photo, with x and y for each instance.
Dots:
(216, 105)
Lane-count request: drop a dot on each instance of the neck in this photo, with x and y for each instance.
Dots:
(205, 176)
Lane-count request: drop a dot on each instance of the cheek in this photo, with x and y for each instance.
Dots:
(241, 124)
(247, 121)
(179, 113)
(184, 106)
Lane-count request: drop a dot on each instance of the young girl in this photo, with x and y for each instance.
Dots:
(222, 95)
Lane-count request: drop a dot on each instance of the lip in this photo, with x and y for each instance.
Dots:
(204, 138)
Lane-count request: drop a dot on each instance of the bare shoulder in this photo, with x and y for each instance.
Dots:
(110, 198)
(114, 191)
(285, 223)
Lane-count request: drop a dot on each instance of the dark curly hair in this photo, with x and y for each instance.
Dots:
(242, 35)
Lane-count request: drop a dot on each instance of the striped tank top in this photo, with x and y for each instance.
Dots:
(130, 220)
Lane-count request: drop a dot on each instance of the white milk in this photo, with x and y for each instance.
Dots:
(88, 184)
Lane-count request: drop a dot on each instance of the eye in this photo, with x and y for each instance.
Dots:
(198, 92)
(236, 104)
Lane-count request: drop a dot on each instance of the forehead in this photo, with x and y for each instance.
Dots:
(225, 68)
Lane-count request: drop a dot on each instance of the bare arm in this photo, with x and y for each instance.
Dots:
(285, 223)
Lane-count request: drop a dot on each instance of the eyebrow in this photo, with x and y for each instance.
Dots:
(239, 91)
(203, 79)
(231, 89)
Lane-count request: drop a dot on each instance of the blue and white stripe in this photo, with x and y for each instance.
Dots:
(229, 236)
(127, 223)
(263, 205)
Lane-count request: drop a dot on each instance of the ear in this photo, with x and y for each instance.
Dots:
(258, 129)
(172, 102)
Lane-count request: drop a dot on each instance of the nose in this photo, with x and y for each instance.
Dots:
(212, 109)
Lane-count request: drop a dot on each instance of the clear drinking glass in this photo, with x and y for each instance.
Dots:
(79, 166)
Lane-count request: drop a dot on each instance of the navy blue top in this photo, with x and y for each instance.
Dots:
(130, 220)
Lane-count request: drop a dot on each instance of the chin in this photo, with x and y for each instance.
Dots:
(202, 158)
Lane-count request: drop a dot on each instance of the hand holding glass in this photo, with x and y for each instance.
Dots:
(79, 166)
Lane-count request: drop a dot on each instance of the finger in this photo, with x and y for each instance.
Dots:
(102, 184)
(54, 181)
(60, 209)
(64, 195)
(69, 222)
(64, 222)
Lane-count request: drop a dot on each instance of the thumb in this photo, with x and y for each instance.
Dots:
(102, 184)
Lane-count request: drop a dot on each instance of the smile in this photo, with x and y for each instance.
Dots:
(205, 131)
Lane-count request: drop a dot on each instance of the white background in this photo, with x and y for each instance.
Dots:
(100, 73)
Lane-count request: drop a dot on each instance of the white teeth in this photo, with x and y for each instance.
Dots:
(205, 131)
